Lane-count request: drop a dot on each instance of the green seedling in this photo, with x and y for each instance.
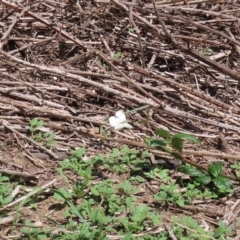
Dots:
(35, 124)
(117, 55)
(31, 231)
(158, 173)
(131, 29)
(188, 228)
(170, 193)
(5, 190)
(236, 166)
(173, 145)
(222, 231)
(47, 138)
(175, 142)
(207, 52)
(213, 176)
(122, 160)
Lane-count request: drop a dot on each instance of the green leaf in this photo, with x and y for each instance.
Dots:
(156, 143)
(187, 137)
(177, 143)
(215, 169)
(180, 202)
(95, 191)
(223, 184)
(132, 29)
(155, 219)
(204, 179)
(34, 121)
(128, 236)
(192, 171)
(40, 123)
(222, 230)
(140, 213)
(117, 55)
(61, 194)
(163, 133)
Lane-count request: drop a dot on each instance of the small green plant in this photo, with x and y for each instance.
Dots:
(31, 231)
(117, 55)
(131, 29)
(103, 204)
(174, 145)
(175, 142)
(122, 160)
(236, 166)
(138, 215)
(47, 138)
(5, 190)
(35, 124)
(207, 52)
(170, 193)
(213, 176)
(158, 173)
(222, 231)
(188, 228)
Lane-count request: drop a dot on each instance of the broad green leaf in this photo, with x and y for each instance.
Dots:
(140, 213)
(40, 123)
(223, 184)
(192, 171)
(222, 230)
(34, 121)
(95, 191)
(187, 137)
(163, 133)
(156, 143)
(177, 143)
(215, 169)
(155, 219)
(180, 202)
(128, 236)
(88, 173)
(204, 180)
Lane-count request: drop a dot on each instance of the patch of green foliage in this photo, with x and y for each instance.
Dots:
(98, 209)
(47, 138)
(213, 178)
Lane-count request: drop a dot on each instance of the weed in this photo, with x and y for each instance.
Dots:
(131, 29)
(222, 231)
(212, 177)
(35, 124)
(236, 166)
(118, 55)
(173, 145)
(47, 138)
(122, 161)
(188, 228)
(158, 173)
(5, 190)
(207, 52)
(32, 232)
(103, 202)
(170, 193)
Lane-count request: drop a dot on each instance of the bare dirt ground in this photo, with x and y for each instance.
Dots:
(73, 64)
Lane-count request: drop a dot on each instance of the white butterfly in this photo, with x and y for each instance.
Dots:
(119, 120)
